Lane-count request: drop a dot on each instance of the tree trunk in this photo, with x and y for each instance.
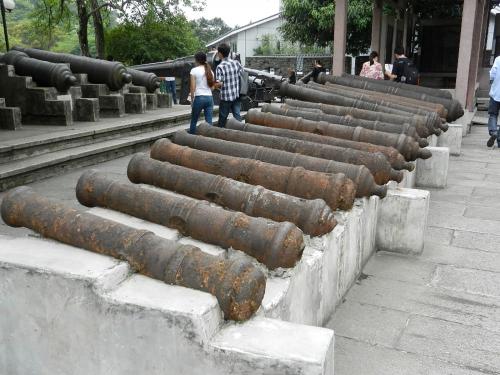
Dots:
(98, 29)
(83, 21)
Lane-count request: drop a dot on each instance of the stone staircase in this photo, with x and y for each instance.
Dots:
(28, 159)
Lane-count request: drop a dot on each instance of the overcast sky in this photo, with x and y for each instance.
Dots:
(237, 12)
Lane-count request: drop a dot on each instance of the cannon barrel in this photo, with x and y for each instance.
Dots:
(376, 163)
(368, 98)
(359, 174)
(114, 74)
(405, 145)
(336, 190)
(441, 110)
(421, 89)
(396, 160)
(314, 217)
(273, 244)
(43, 73)
(237, 284)
(149, 80)
(347, 121)
(425, 125)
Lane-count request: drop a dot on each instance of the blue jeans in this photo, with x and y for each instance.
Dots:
(172, 88)
(205, 103)
(225, 107)
(493, 119)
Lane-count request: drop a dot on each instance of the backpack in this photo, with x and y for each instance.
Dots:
(411, 75)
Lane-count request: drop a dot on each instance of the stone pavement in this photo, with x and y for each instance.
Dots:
(438, 313)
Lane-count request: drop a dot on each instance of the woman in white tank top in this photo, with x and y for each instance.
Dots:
(202, 81)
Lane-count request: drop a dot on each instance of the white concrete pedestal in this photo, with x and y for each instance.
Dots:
(452, 139)
(433, 172)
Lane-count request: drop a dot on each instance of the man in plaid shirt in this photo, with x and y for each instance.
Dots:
(228, 75)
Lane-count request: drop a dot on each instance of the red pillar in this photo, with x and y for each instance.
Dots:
(339, 37)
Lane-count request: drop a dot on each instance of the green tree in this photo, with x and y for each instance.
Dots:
(209, 29)
(310, 22)
(153, 40)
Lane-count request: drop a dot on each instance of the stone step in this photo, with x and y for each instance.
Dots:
(39, 167)
(25, 148)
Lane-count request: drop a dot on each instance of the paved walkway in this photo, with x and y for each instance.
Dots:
(439, 313)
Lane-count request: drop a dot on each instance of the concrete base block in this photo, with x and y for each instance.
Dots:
(433, 172)
(164, 100)
(91, 90)
(402, 221)
(112, 106)
(10, 118)
(135, 103)
(466, 122)
(137, 89)
(452, 139)
(152, 102)
(87, 109)
(408, 181)
(433, 140)
(70, 311)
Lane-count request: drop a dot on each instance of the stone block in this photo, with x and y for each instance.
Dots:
(92, 90)
(135, 103)
(46, 109)
(71, 311)
(112, 106)
(433, 140)
(152, 102)
(433, 172)
(10, 118)
(82, 79)
(452, 139)
(137, 89)
(164, 100)
(466, 122)
(402, 221)
(2, 102)
(87, 109)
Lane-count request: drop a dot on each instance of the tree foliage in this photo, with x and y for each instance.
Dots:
(310, 22)
(270, 45)
(152, 40)
(209, 29)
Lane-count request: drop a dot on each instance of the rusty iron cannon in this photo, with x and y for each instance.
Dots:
(43, 73)
(359, 174)
(271, 243)
(347, 121)
(148, 80)
(392, 155)
(425, 125)
(407, 146)
(453, 107)
(336, 190)
(314, 217)
(237, 284)
(113, 74)
(363, 96)
(310, 95)
(376, 163)
(421, 89)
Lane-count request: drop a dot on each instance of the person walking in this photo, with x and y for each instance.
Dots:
(372, 69)
(494, 104)
(202, 81)
(171, 88)
(403, 70)
(228, 77)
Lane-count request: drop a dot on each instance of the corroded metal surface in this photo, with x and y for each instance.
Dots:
(425, 125)
(237, 284)
(271, 243)
(336, 190)
(376, 163)
(314, 217)
(396, 160)
(347, 121)
(43, 73)
(421, 89)
(359, 174)
(111, 73)
(407, 146)
(435, 96)
(148, 80)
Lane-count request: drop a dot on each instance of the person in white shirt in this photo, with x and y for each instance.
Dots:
(171, 88)
(494, 105)
(202, 82)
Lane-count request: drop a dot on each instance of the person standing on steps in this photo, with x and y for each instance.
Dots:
(494, 105)
(202, 81)
(228, 76)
